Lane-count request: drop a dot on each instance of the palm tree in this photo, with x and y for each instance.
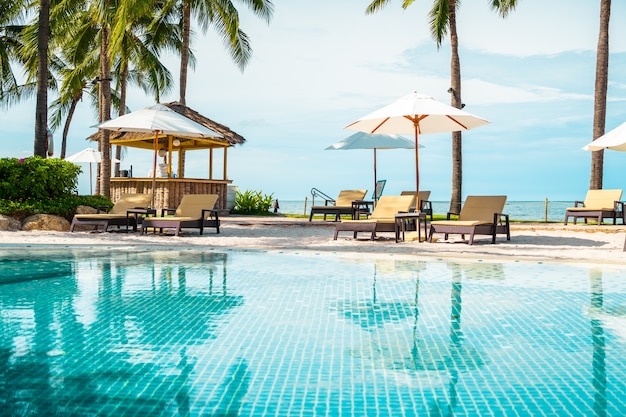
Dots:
(11, 19)
(443, 20)
(599, 101)
(223, 16)
(41, 107)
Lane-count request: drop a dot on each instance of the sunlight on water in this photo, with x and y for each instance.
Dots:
(194, 333)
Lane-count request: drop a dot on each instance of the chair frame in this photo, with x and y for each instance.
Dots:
(163, 222)
(107, 219)
(330, 208)
(583, 210)
(499, 225)
(370, 225)
(209, 217)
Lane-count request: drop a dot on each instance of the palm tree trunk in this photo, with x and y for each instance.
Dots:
(66, 126)
(455, 79)
(184, 53)
(105, 112)
(41, 108)
(599, 102)
(122, 111)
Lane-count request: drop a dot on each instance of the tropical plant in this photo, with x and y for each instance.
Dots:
(599, 100)
(11, 25)
(224, 17)
(252, 202)
(443, 22)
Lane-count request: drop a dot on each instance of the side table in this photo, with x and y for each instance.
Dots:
(401, 219)
(361, 207)
(136, 212)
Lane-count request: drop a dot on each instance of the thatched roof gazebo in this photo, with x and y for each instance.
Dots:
(172, 183)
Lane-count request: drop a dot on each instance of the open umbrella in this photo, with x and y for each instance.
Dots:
(361, 140)
(614, 140)
(90, 156)
(160, 121)
(417, 113)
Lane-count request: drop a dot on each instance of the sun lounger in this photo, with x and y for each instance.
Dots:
(382, 218)
(480, 215)
(423, 204)
(195, 211)
(598, 204)
(117, 216)
(346, 203)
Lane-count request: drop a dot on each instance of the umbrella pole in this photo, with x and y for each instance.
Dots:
(375, 179)
(417, 165)
(90, 180)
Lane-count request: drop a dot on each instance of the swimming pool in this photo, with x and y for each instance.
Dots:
(190, 333)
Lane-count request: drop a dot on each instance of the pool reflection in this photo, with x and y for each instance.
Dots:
(54, 360)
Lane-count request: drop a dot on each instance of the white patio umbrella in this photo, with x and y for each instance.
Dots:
(90, 156)
(614, 139)
(160, 121)
(362, 140)
(417, 113)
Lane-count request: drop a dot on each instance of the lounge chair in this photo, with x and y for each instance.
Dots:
(423, 203)
(598, 204)
(195, 211)
(117, 216)
(346, 203)
(480, 215)
(382, 218)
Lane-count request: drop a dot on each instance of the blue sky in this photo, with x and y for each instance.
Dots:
(319, 66)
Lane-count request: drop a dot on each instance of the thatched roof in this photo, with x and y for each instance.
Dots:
(141, 140)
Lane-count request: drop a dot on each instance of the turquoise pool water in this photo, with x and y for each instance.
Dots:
(186, 333)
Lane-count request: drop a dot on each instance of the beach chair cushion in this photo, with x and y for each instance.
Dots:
(188, 215)
(479, 215)
(116, 216)
(382, 219)
(191, 205)
(342, 205)
(598, 204)
(346, 197)
(599, 200)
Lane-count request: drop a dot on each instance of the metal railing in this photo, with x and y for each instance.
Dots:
(317, 193)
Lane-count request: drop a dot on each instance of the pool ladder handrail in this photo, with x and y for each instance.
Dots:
(317, 193)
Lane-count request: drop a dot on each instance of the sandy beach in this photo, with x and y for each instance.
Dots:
(529, 241)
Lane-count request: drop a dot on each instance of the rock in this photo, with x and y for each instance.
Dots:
(85, 210)
(46, 222)
(8, 223)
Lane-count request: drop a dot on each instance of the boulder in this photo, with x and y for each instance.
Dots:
(85, 210)
(46, 222)
(8, 223)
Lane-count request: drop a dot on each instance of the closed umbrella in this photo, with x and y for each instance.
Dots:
(159, 120)
(417, 114)
(361, 140)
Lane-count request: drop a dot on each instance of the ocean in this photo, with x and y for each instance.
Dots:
(542, 211)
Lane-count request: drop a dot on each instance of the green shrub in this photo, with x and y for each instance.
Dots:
(42, 186)
(252, 202)
(64, 206)
(37, 178)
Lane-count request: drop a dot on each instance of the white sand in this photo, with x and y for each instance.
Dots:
(571, 243)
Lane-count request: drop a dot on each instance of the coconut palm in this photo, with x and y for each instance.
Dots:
(11, 26)
(443, 22)
(41, 106)
(599, 101)
(224, 17)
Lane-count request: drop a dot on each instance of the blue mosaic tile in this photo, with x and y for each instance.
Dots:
(167, 333)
